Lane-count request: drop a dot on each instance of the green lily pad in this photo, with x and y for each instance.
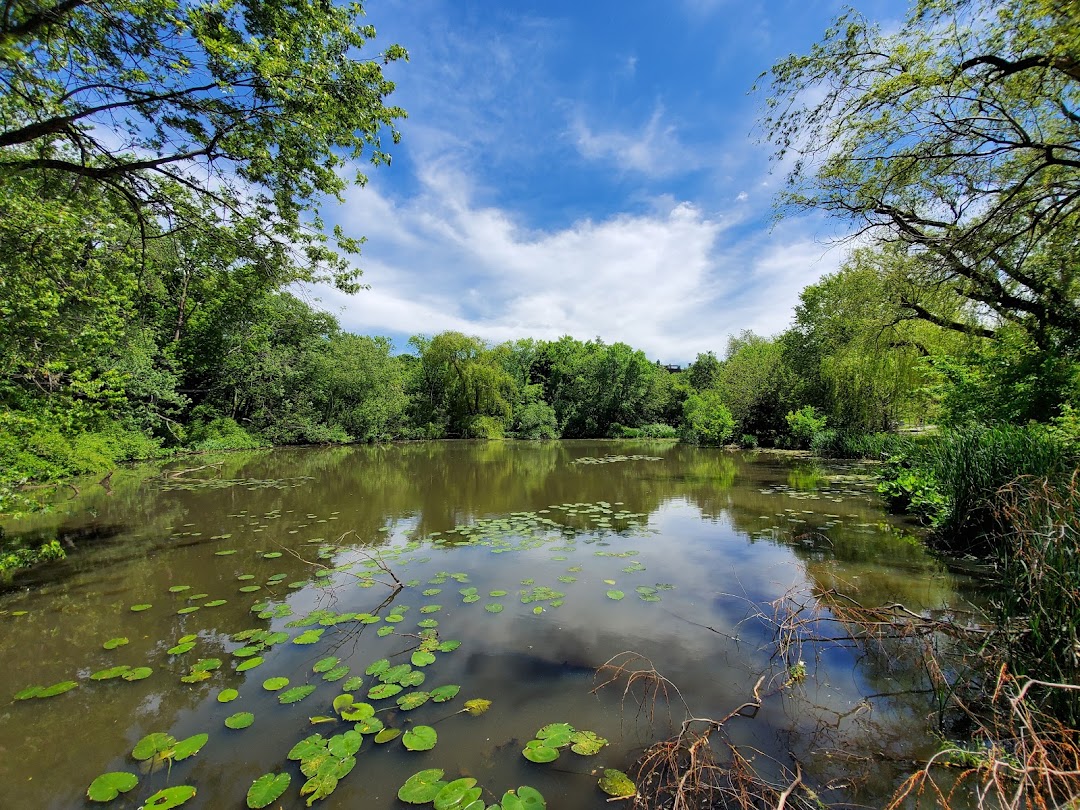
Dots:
(137, 674)
(383, 690)
(555, 730)
(271, 555)
(110, 673)
(422, 658)
(169, 798)
(458, 794)
(586, 743)
(441, 694)
(113, 643)
(225, 552)
(357, 711)
(250, 663)
(395, 674)
(378, 667)
(296, 694)
(326, 664)
(369, 725)
(449, 646)
(412, 700)
(216, 603)
(139, 608)
(336, 674)
(110, 785)
(616, 595)
(189, 747)
(477, 706)
(384, 631)
(422, 787)
(152, 745)
(185, 611)
(618, 784)
(181, 648)
(249, 588)
(494, 607)
(388, 734)
(352, 684)
(239, 720)
(267, 789)
(179, 588)
(308, 637)
(274, 684)
(227, 695)
(538, 751)
(307, 748)
(345, 745)
(420, 738)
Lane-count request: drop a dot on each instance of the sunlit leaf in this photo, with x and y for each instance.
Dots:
(538, 751)
(477, 706)
(441, 694)
(420, 738)
(457, 794)
(189, 747)
(345, 745)
(267, 789)
(110, 785)
(352, 684)
(113, 643)
(326, 664)
(388, 734)
(139, 608)
(421, 787)
(296, 694)
(226, 695)
(412, 700)
(616, 595)
(369, 725)
(56, 689)
(274, 684)
(110, 673)
(494, 607)
(169, 798)
(422, 658)
(336, 674)
(240, 720)
(250, 663)
(618, 784)
(383, 690)
(307, 747)
(152, 745)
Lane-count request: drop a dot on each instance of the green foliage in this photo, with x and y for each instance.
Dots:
(222, 433)
(707, 420)
(830, 443)
(17, 557)
(755, 384)
(804, 424)
(748, 441)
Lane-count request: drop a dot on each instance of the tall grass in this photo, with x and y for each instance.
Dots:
(832, 443)
(1039, 605)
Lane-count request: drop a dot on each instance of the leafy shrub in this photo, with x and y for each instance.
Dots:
(537, 420)
(706, 420)
(658, 430)
(14, 557)
(222, 433)
(485, 427)
(748, 441)
(804, 424)
(831, 443)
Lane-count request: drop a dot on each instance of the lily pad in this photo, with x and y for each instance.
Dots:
(110, 785)
(296, 694)
(494, 607)
(274, 684)
(139, 608)
(352, 684)
(189, 747)
(586, 743)
(420, 738)
(369, 725)
(250, 663)
(618, 784)
(412, 700)
(181, 648)
(110, 673)
(326, 664)
(113, 643)
(414, 678)
(538, 751)
(227, 695)
(615, 594)
(179, 588)
(152, 745)
(422, 787)
(267, 789)
(383, 690)
(457, 794)
(169, 798)
(336, 674)
(441, 694)
(422, 658)
(239, 720)
(477, 706)
(137, 674)
(378, 667)
(388, 734)
(308, 637)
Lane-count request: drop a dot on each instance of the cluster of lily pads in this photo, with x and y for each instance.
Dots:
(612, 459)
(325, 760)
(428, 787)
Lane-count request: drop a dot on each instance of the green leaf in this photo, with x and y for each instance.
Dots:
(352, 684)
(383, 690)
(137, 674)
(422, 787)
(387, 734)
(152, 745)
(441, 694)
(227, 695)
(494, 607)
(477, 706)
(618, 784)
(189, 747)
(239, 720)
(182, 648)
(296, 694)
(531, 798)
(250, 663)
(616, 595)
(369, 725)
(308, 636)
(420, 738)
(538, 751)
(307, 748)
(422, 658)
(384, 631)
(267, 789)
(326, 664)
(345, 745)
(110, 673)
(179, 588)
(412, 700)
(413, 678)
(457, 794)
(276, 683)
(336, 674)
(113, 643)
(110, 785)
(57, 689)
(139, 608)
(169, 797)
(378, 667)
(586, 743)
(449, 646)
(357, 711)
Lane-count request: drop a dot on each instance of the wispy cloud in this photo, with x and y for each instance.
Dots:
(673, 281)
(652, 149)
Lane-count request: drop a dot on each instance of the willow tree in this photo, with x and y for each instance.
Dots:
(957, 138)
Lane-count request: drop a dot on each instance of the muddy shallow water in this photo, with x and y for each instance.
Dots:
(544, 560)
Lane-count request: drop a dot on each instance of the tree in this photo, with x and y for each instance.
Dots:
(755, 384)
(706, 420)
(956, 138)
(704, 371)
(252, 105)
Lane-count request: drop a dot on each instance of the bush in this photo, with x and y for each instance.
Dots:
(831, 443)
(485, 427)
(706, 420)
(804, 424)
(954, 478)
(16, 557)
(748, 441)
(658, 430)
(222, 434)
(537, 420)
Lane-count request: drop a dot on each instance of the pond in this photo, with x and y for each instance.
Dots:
(241, 599)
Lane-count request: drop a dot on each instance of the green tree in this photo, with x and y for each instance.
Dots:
(704, 371)
(755, 384)
(706, 420)
(254, 105)
(956, 138)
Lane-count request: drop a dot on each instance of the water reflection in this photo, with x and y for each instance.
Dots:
(730, 532)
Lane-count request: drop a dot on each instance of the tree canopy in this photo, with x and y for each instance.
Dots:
(957, 138)
(251, 107)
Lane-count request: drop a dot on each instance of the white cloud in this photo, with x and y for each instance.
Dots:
(654, 149)
(673, 281)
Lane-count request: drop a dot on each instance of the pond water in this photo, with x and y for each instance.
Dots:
(544, 560)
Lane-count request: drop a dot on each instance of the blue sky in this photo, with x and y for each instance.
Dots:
(588, 168)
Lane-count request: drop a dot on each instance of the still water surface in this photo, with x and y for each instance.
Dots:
(698, 542)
